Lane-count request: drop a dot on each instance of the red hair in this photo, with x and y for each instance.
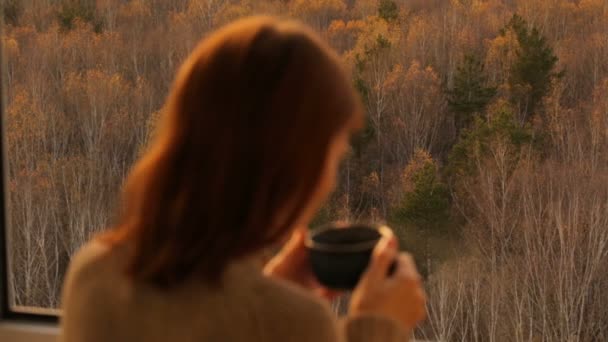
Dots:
(243, 138)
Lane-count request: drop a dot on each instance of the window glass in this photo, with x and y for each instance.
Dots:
(486, 147)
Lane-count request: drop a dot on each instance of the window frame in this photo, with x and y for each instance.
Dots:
(26, 314)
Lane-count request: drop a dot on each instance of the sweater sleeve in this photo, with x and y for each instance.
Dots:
(317, 322)
(372, 328)
(83, 317)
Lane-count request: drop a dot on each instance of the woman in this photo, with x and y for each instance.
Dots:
(254, 129)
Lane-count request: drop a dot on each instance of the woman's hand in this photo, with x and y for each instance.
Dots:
(292, 264)
(400, 296)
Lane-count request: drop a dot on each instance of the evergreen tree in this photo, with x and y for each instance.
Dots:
(427, 204)
(388, 10)
(423, 210)
(469, 94)
(72, 10)
(476, 141)
(534, 69)
(11, 10)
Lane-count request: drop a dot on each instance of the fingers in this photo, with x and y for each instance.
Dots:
(400, 296)
(328, 294)
(408, 275)
(406, 267)
(383, 256)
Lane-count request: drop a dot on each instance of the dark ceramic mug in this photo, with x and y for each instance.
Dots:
(339, 254)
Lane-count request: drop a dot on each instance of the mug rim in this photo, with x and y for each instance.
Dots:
(383, 230)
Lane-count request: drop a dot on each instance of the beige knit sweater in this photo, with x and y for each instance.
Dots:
(101, 304)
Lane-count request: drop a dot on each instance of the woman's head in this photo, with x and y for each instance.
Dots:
(247, 149)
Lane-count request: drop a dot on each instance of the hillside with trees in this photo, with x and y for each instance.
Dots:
(486, 147)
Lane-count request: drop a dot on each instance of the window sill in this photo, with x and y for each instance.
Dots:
(28, 332)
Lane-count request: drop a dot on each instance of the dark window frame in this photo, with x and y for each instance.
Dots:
(7, 313)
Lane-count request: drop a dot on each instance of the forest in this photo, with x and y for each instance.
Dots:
(486, 146)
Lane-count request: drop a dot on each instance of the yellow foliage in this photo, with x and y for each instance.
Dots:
(421, 83)
(316, 7)
(97, 86)
(599, 115)
(394, 78)
(231, 12)
(417, 39)
(134, 10)
(24, 118)
(336, 27)
(370, 29)
(365, 8)
(355, 25)
(592, 8)
(10, 47)
(490, 15)
(344, 35)
(466, 38)
(502, 52)
(317, 13)
(371, 183)
(420, 159)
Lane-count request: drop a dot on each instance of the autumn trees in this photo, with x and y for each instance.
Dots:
(486, 146)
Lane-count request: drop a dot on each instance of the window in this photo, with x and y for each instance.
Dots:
(486, 147)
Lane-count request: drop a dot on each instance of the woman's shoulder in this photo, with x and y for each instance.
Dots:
(301, 313)
(92, 257)
(94, 265)
(91, 252)
(83, 290)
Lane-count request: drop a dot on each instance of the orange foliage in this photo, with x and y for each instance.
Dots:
(502, 52)
(82, 103)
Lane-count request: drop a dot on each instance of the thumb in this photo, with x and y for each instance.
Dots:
(295, 245)
(383, 256)
(292, 253)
